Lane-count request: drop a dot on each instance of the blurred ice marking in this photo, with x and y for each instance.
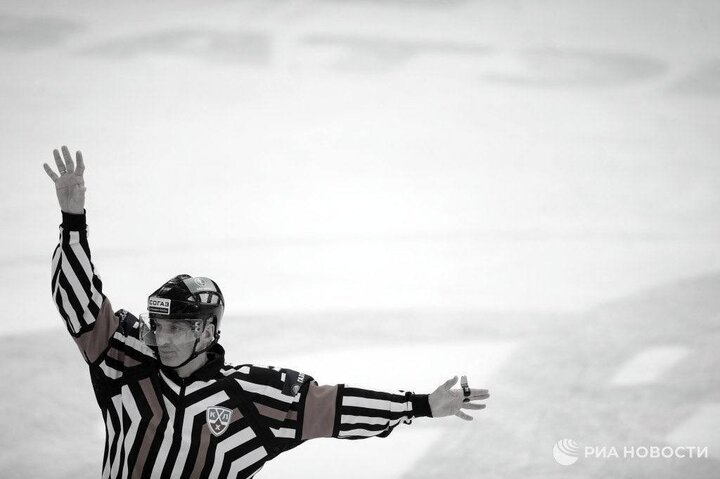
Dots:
(372, 53)
(704, 81)
(567, 67)
(34, 32)
(649, 365)
(701, 429)
(231, 47)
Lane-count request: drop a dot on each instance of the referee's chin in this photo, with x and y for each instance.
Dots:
(170, 359)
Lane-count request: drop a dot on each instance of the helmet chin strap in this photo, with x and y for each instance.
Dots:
(195, 354)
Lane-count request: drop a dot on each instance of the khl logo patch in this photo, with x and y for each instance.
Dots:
(218, 419)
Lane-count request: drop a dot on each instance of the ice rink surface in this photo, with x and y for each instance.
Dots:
(389, 193)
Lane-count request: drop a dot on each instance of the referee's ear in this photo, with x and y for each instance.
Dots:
(208, 334)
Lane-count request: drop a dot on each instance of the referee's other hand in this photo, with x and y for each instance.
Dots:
(445, 401)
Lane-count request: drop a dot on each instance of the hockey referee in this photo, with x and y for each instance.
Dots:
(172, 407)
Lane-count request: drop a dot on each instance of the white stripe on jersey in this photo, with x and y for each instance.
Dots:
(167, 440)
(54, 265)
(135, 343)
(268, 391)
(172, 385)
(349, 419)
(74, 323)
(197, 385)
(110, 372)
(246, 461)
(283, 432)
(365, 432)
(74, 237)
(87, 268)
(78, 291)
(134, 414)
(227, 444)
(117, 405)
(188, 423)
(110, 437)
(381, 404)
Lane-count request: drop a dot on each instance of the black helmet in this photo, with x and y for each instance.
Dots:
(187, 297)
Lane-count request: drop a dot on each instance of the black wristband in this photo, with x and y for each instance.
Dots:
(74, 222)
(420, 405)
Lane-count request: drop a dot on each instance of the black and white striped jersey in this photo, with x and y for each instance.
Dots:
(223, 421)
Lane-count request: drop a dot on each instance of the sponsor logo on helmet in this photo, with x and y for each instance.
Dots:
(196, 285)
(158, 305)
(218, 419)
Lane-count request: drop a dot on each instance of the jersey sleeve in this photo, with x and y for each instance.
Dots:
(110, 342)
(358, 413)
(295, 408)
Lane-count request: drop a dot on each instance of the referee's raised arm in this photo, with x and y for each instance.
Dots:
(76, 288)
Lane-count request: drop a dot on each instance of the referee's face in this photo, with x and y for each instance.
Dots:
(176, 340)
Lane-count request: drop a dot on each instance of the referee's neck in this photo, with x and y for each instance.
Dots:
(198, 362)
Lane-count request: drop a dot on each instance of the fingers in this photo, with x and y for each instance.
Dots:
(50, 172)
(474, 397)
(469, 405)
(450, 383)
(80, 164)
(463, 416)
(68, 160)
(59, 162)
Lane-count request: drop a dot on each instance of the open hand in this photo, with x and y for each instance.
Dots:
(70, 185)
(445, 401)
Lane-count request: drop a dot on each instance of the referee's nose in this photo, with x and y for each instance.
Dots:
(163, 339)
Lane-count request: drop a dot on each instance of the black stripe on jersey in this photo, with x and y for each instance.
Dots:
(127, 349)
(113, 453)
(199, 420)
(159, 433)
(64, 314)
(97, 282)
(338, 405)
(300, 407)
(233, 428)
(263, 375)
(84, 281)
(252, 415)
(106, 450)
(95, 279)
(240, 451)
(145, 412)
(268, 401)
(121, 458)
(58, 267)
(371, 412)
(168, 392)
(113, 363)
(205, 392)
(364, 427)
(65, 285)
(196, 432)
(364, 393)
(177, 437)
